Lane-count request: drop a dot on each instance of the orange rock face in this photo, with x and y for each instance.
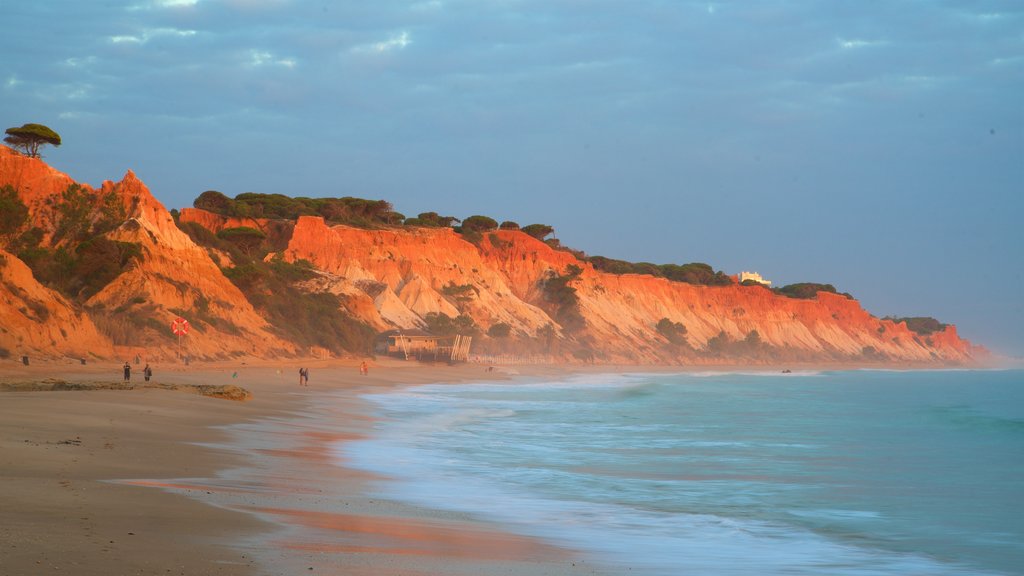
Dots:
(39, 322)
(621, 311)
(395, 277)
(173, 276)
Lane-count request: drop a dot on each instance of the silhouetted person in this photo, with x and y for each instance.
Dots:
(127, 372)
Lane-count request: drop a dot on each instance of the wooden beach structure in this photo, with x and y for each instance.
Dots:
(419, 345)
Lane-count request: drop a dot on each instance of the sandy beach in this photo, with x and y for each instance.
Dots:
(155, 481)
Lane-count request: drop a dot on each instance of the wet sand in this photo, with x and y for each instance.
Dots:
(159, 481)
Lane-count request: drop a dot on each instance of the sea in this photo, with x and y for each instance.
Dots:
(855, 473)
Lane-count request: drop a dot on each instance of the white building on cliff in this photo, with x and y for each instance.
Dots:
(744, 276)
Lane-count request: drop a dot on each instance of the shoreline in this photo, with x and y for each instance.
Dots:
(261, 493)
(97, 477)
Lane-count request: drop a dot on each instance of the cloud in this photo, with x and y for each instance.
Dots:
(264, 58)
(163, 4)
(78, 62)
(855, 43)
(1007, 61)
(149, 34)
(396, 42)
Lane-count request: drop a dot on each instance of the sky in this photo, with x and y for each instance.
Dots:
(874, 145)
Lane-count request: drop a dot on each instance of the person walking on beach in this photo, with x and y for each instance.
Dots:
(147, 372)
(127, 372)
(303, 377)
(364, 369)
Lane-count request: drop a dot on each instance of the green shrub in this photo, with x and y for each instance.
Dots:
(346, 210)
(245, 238)
(81, 214)
(923, 325)
(98, 262)
(674, 332)
(692, 273)
(719, 344)
(459, 292)
(13, 212)
(871, 353)
(563, 299)
(538, 231)
(499, 330)
(498, 242)
(805, 290)
(431, 220)
(442, 324)
(317, 319)
(479, 224)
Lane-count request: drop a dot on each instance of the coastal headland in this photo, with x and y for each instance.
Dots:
(105, 273)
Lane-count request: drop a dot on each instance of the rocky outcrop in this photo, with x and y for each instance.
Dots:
(39, 322)
(173, 277)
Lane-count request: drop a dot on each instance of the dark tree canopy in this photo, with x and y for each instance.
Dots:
(805, 290)
(247, 239)
(432, 220)
(923, 325)
(13, 212)
(213, 201)
(692, 273)
(347, 210)
(500, 330)
(674, 332)
(29, 138)
(538, 231)
(479, 223)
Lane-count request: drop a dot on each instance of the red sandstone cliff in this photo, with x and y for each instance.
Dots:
(173, 276)
(395, 277)
(415, 265)
(37, 321)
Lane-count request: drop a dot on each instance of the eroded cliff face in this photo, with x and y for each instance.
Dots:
(173, 276)
(39, 322)
(396, 277)
(420, 268)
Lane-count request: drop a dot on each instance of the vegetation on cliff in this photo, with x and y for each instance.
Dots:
(13, 213)
(693, 273)
(807, 290)
(444, 325)
(527, 300)
(922, 325)
(347, 210)
(563, 300)
(29, 138)
(79, 260)
(273, 288)
(431, 220)
(674, 332)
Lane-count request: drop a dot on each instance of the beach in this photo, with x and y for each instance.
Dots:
(421, 469)
(153, 481)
